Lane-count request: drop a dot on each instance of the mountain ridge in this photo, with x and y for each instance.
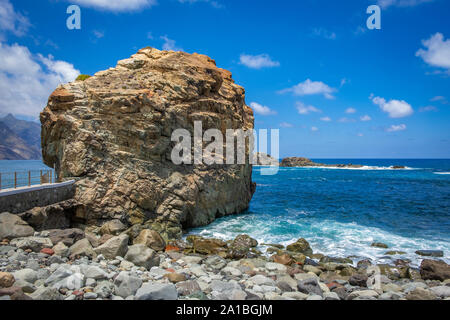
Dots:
(19, 139)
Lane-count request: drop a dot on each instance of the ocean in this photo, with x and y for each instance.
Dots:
(342, 211)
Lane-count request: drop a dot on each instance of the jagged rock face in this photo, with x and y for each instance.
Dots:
(112, 132)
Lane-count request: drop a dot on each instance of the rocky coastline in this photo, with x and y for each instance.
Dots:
(114, 263)
(305, 162)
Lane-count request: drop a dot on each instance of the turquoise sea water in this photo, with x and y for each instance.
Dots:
(342, 211)
(8, 167)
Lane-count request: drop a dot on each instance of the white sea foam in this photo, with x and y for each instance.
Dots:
(331, 238)
(441, 172)
(363, 168)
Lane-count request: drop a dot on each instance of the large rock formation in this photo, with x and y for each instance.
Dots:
(112, 133)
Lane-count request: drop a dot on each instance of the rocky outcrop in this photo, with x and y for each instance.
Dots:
(434, 270)
(55, 216)
(12, 226)
(305, 162)
(263, 159)
(112, 133)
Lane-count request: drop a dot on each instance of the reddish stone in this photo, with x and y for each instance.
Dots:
(333, 285)
(78, 293)
(172, 248)
(170, 270)
(48, 251)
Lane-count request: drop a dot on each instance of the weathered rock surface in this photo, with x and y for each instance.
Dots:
(305, 162)
(263, 159)
(116, 246)
(12, 226)
(112, 132)
(142, 256)
(434, 270)
(151, 239)
(55, 216)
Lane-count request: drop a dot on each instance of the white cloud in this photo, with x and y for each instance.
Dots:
(366, 118)
(262, 110)
(27, 80)
(344, 81)
(346, 120)
(395, 108)
(350, 110)
(213, 3)
(326, 119)
(12, 21)
(314, 129)
(395, 128)
(286, 125)
(170, 45)
(116, 5)
(258, 61)
(437, 52)
(400, 3)
(360, 135)
(428, 109)
(323, 33)
(309, 87)
(149, 35)
(305, 109)
(438, 98)
(98, 34)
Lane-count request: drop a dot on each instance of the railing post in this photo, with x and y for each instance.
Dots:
(15, 180)
(0, 181)
(40, 177)
(29, 178)
(51, 177)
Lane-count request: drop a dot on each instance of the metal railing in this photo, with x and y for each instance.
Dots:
(17, 179)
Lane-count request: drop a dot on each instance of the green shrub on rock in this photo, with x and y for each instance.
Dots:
(82, 77)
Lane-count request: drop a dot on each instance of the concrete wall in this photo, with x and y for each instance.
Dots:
(23, 199)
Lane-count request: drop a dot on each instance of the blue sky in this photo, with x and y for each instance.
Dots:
(311, 68)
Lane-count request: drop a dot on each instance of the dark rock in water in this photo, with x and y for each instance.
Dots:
(398, 167)
(434, 270)
(379, 245)
(309, 286)
(300, 246)
(209, 246)
(305, 162)
(240, 247)
(336, 260)
(393, 253)
(364, 264)
(359, 280)
(297, 162)
(430, 253)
